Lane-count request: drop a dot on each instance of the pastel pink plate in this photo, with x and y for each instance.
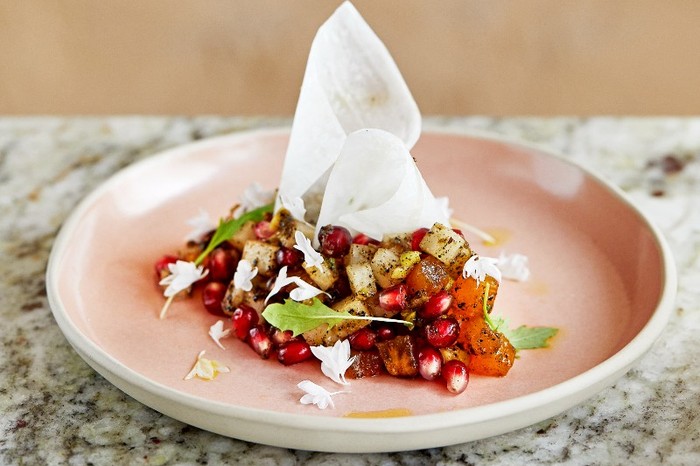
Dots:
(600, 272)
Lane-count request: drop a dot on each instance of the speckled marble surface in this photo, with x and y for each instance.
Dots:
(57, 410)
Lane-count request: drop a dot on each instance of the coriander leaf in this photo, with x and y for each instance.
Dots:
(525, 337)
(300, 318)
(228, 228)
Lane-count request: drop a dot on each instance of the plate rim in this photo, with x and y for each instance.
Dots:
(562, 394)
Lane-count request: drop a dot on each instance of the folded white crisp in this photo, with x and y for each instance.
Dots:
(375, 188)
(351, 82)
(355, 122)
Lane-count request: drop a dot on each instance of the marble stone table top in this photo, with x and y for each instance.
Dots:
(54, 409)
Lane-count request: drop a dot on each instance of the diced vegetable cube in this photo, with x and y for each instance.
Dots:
(383, 264)
(366, 364)
(399, 356)
(242, 236)
(425, 279)
(455, 352)
(261, 255)
(360, 253)
(361, 280)
(324, 275)
(446, 245)
(322, 335)
(406, 262)
(234, 297)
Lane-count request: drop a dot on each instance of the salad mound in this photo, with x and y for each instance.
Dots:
(412, 304)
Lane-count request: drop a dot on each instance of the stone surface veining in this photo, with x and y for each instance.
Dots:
(56, 410)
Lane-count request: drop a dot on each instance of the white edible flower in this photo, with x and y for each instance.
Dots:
(478, 267)
(201, 224)
(295, 207)
(245, 272)
(206, 369)
(513, 266)
(254, 196)
(182, 275)
(315, 394)
(217, 332)
(303, 291)
(335, 360)
(311, 256)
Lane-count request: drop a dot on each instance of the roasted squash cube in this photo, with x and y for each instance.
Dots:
(399, 356)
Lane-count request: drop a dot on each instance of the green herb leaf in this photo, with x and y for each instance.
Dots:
(521, 338)
(227, 229)
(300, 318)
(525, 337)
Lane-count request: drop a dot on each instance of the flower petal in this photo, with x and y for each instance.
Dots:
(513, 266)
(206, 369)
(245, 272)
(182, 275)
(335, 360)
(478, 267)
(201, 224)
(217, 332)
(312, 257)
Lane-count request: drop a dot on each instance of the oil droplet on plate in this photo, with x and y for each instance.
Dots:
(500, 236)
(393, 412)
(537, 288)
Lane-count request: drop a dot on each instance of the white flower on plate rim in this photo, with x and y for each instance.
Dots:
(201, 224)
(513, 266)
(254, 196)
(478, 267)
(312, 257)
(182, 275)
(217, 332)
(245, 272)
(315, 394)
(206, 369)
(303, 291)
(335, 360)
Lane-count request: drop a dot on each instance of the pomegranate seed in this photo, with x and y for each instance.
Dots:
(221, 265)
(385, 333)
(429, 363)
(288, 257)
(212, 295)
(293, 352)
(280, 337)
(442, 333)
(363, 339)
(437, 305)
(335, 240)
(161, 266)
(417, 237)
(393, 299)
(262, 230)
(456, 376)
(259, 341)
(243, 319)
(364, 239)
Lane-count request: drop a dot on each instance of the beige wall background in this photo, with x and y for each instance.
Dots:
(527, 57)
